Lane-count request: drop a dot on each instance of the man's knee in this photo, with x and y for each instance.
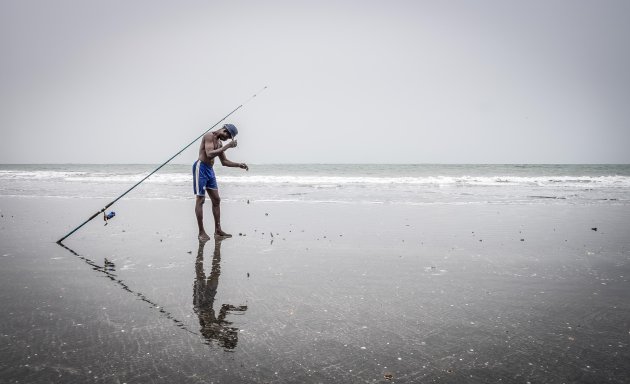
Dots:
(214, 197)
(201, 200)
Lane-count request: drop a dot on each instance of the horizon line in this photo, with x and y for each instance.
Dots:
(317, 163)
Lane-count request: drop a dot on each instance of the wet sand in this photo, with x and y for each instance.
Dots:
(315, 293)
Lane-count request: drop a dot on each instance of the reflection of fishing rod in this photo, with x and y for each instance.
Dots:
(157, 169)
(105, 270)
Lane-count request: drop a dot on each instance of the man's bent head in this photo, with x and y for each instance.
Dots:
(230, 130)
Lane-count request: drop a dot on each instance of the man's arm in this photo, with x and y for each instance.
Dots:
(212, 152)
(228, 163)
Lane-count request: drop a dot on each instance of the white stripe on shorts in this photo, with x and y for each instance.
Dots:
(197, 166)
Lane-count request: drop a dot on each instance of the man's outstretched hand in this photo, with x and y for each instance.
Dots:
(243, 166)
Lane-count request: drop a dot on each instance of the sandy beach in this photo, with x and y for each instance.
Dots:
(315, 292)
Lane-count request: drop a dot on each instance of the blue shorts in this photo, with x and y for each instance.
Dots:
(203, 178)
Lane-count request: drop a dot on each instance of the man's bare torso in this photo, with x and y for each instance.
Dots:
(214, 142)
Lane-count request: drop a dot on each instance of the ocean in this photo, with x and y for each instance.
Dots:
(412, 184)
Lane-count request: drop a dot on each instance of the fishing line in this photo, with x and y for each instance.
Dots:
(159, 167)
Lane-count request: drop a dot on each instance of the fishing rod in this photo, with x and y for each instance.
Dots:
(158, 168)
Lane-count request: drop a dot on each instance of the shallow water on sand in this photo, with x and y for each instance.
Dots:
(315, 293)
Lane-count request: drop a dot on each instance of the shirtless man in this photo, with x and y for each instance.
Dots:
(204, 179)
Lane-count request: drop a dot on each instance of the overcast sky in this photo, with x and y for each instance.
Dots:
(349, 81)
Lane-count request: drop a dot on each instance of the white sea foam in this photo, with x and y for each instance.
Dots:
(335, 184)
(328, 181)
(574, 181)
(37, 175)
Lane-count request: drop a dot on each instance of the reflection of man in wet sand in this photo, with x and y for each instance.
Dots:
(204, 290)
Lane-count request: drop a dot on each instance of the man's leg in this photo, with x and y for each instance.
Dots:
(216, 212)
(203, 236)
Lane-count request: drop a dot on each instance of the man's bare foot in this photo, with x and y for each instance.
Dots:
(203, 237)
(221, 234)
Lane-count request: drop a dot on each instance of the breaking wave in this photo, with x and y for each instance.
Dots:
(319, 180)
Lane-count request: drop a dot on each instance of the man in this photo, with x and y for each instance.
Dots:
(204, 179)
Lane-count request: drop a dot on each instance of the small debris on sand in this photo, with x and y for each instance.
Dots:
(240, 234)
(388, 375)
(189, 252)
(594, 229)
(266, 214)
(247, 274)
(522, 239)
(247, 201)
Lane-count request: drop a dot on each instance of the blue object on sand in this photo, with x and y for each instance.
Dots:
(110, 215)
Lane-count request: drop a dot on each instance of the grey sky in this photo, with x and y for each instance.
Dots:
(349, 81)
